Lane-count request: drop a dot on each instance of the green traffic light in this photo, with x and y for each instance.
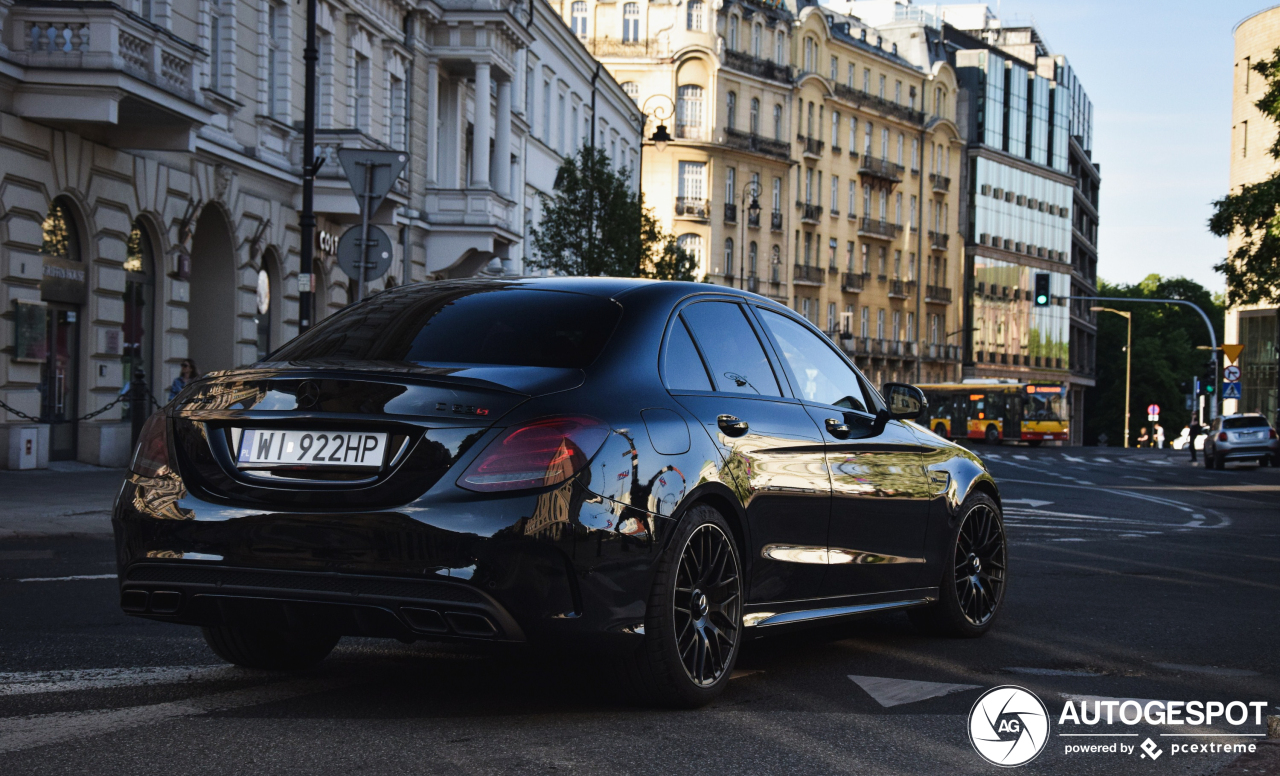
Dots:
(1042, 299)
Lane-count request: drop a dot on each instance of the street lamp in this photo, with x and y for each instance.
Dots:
(1128, 363)
(662, 111)
(753, 212)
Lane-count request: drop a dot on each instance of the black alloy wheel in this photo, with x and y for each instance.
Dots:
(693, 624)
(980, 564)
(708, 605)
(972, 587)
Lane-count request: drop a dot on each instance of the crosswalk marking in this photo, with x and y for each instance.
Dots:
(33, 682)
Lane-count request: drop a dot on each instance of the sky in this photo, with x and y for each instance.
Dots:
(1159, 75)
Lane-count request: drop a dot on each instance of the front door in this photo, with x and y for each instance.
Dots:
(880, 495)
(59, 380)
(770, 451)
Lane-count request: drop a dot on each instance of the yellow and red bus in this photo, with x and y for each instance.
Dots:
(999, 411)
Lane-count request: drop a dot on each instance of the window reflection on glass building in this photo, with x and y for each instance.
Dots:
(1009, 330)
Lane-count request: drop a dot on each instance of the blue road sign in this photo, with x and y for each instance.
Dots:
(1231, 390)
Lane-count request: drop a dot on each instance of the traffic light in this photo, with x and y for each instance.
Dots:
(1209, 384)
(1042, 289)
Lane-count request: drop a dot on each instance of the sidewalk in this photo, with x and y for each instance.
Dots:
(67, 499)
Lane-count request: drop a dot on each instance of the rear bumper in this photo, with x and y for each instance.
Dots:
(1243, 451)
(560, 564)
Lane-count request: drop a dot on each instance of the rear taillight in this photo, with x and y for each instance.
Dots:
(1273, 433)
(1222, 436)
(152, 456)
(535, 454)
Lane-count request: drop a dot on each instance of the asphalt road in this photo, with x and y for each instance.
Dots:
(1133, 575)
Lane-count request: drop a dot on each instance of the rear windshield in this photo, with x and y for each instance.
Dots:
(463, 324)
(1254, 422)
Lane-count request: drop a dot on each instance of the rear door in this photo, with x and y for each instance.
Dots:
(880, 493)
(771, 452)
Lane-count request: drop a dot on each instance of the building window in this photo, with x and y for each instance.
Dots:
(882, 83)
(689, 112)
(866, 144)
(835, 195)
(696, 15)
(897, 325)
(730, 184)
(360, 92)
(853, 190)
(692, 245)
(832, 246)
(866, 264)
(632, 90)
(728, 256)
(884, 143)
(777, 195)
(901, 142)
(810, 52)
(880, 323)
(866, 80)
(897, 92)
(578, 16)
(755, 116)
(217, 52)
(864, 330)
(835, 68)
(277, 61)
(631, 22)
(866, 202)
(395, 127)
(731, 113)
(777, 122)
(751, 259)
(780, 47)
(835, 128)
(546, 112)
(757, 32)
(733, 33)
(693, 177)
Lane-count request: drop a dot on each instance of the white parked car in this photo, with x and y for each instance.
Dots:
(1180, 443)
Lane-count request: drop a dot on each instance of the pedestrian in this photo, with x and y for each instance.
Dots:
(1194, 431)
(185, 377)
(1159, 434)
(1144, 439)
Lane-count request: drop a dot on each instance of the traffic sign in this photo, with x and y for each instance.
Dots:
(1153, 409)
(371, 174)
(1231, 374)
(351, 256)
(1232, 352)
(1231, 390)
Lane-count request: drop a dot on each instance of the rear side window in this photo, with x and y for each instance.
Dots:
(734, 353)
(463, 324)
(1250, 422)
(681, 365)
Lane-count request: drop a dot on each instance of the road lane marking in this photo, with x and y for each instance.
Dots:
(1031, 502)
(895, 692)
(18, 733)
(1102, 460)
(67, 579)
(33, 682)
(1211, 670)
(1223, 520)
(1022, 458)
(1033, 671)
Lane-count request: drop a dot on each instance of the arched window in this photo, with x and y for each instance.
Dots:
(630, 22)
(757, 33)
(696, 13)
(267, 309)
(139, 298)
(731, 114)
(780, 47)
(755, 116)
(810, 54)
(689, 112)
(632, 90)
(692, 245)
(59, 372)
(578, 17)
(61, 239)
(733, 32)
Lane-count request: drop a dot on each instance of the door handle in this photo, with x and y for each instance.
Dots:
(837, 428)
(731, 425)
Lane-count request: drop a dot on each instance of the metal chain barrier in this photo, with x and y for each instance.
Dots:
(122, 397)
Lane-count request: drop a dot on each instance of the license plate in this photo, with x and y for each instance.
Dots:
(310, 449)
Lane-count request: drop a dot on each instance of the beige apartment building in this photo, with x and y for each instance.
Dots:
(807, 163)
(878, 257)
(719, 81)
(1252, 133)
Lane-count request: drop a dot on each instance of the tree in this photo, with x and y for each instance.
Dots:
(1253, 269)
(595, 225)
(1165, 358)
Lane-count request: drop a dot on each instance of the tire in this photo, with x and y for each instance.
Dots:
(269, 649)
(960, 612)
(1216, 463)
(993, 435)
(664, 670)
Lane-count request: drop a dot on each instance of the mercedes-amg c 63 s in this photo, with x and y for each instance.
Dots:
(664, 468)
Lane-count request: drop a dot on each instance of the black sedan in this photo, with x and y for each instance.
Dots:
(657, 469)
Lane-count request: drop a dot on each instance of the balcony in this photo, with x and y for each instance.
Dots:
(692, 207)
(811, 145)
(689, 132)
(941, 183)
(852, 282)
(808, 275)
(613, 47)
(762, 68)
(897, 289)
(747, 141)
(730, 213)
(863, 100)
(881, 168)
(938, 294)
(775, 221)
(809, 214)
(936, 352)
(96, 64)
(938, 240)
(874, 227)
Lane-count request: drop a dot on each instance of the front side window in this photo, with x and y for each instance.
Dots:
(818, 374)
(737, 359)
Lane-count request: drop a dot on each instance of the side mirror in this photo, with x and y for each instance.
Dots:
(906, 402)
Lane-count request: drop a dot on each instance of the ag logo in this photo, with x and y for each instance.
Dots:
(1008, 726)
